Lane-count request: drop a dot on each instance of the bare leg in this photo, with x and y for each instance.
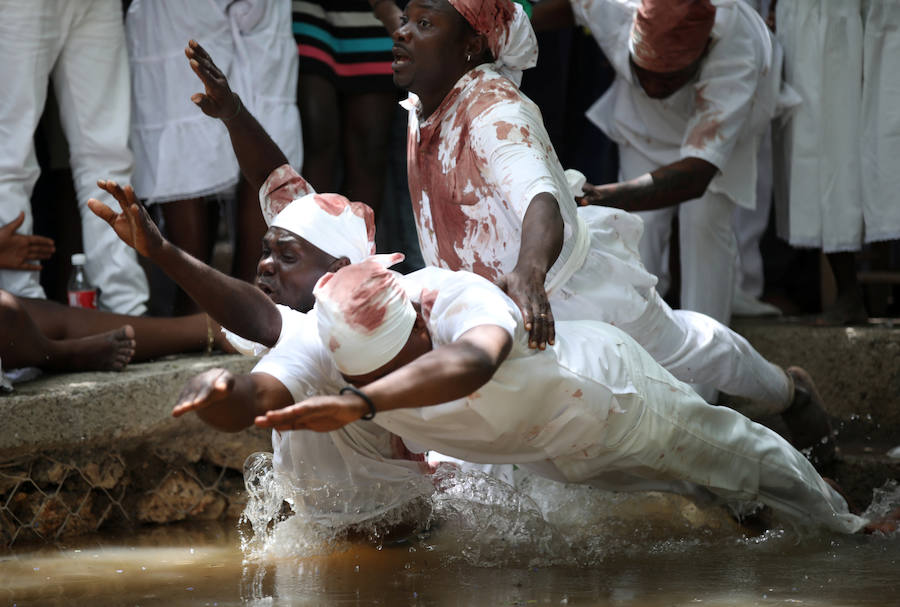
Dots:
(366, 137)
(154, 337)
(22, 344)
(318, 102)
(849, 307)
(251, 227)
(189, 225)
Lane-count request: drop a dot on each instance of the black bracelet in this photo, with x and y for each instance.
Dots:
(362, 395)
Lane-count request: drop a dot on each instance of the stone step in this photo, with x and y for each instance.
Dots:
(856, 370)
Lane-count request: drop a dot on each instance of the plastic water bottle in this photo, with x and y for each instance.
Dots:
(81, 293)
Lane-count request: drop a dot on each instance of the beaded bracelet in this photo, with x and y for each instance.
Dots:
(362, 395)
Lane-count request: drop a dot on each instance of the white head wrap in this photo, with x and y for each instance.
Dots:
(508, 32)
(364, 314)
(332, 223)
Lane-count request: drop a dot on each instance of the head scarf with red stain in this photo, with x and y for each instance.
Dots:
(507, 30)
(332, 223)
(669, 35)
(364, 314)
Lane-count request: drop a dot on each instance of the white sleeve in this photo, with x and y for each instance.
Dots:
(610, 23)
(724, 97)
(454, 302)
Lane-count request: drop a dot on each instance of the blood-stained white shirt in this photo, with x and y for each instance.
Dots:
(474, 166)
(719, 116)
(538, 405)
(336, 478)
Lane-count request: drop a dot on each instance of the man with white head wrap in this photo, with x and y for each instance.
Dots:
(593, 408)
(491, 197)
(338, 479)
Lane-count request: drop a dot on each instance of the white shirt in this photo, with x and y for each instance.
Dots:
(335, 478)
(538, 405)
(718, 117)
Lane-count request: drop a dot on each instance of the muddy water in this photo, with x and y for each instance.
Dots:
(488, 546)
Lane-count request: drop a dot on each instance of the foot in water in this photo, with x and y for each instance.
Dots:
(109, 351)
(848, 309)
(807, 420)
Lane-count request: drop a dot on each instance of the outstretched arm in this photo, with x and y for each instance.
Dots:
(667, 186)
(256, 153)
(388, 13)
(234, 304)
(442, 375)
(542, 239)
(230, 402)
(20, 251)
(552, 15)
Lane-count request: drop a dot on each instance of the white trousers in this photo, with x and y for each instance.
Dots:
(614, 287)
(750, 225)
(80, 45)
(707, 250)
(669, 439)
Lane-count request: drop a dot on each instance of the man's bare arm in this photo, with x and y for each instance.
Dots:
(442, 375)
(542, 239)
(552, 15)
(256, 153)
(236, 305)
(667, 186)
(230, 402)
(388, 13)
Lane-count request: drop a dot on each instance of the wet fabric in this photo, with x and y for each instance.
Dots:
(251, 43)
(598, 407)
(837, 187)
(507, 29)
(669, 35)
(343, 477)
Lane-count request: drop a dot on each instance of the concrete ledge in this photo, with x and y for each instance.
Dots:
(856, 369)
(99, 409)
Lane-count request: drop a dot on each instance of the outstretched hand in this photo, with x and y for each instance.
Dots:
(529, 294)
(319, 413)
(133, 225)
(219, 101)
(20, 251)
(204, 390)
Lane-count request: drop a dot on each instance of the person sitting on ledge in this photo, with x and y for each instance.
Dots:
(441, 358)
(54, 337)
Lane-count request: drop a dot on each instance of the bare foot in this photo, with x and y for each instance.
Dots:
(807, 420)
(110, 351)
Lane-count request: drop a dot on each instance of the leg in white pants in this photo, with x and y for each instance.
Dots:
(707, 251)
(668, 434)
(749, 225)
(30, 39)
(700, 350)
(93, 86)
(81, 43)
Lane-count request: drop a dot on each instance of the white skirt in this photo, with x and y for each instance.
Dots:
(179, 151)
(836, 157)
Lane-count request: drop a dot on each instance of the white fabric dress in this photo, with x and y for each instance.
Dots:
(719, 117)
(838, 175)
(595, 408)
(474, 167)
(336, 478)
(180, 152)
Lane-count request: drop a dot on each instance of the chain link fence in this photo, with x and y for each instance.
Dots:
(55, 496)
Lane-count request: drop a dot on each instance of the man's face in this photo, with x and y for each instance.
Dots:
(290, 267)
(429, 48)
